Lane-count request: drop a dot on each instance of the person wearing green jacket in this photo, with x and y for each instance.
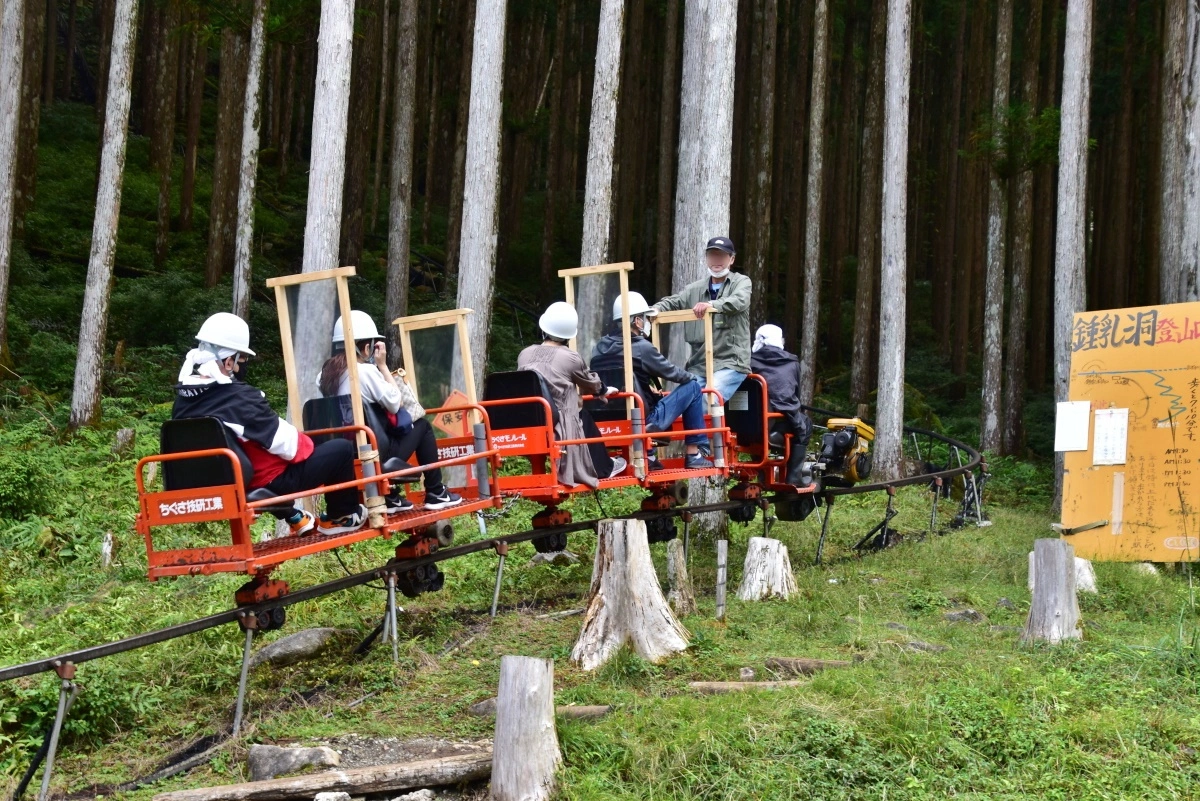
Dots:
(728, 295)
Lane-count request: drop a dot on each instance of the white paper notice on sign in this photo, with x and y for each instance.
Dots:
(1071, 425)
(1112, 433)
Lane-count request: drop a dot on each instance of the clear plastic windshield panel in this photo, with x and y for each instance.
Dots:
(323, 393)
(601, 297)
(320, 387)
(437, 366)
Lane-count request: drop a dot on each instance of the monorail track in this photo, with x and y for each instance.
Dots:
(138, 641)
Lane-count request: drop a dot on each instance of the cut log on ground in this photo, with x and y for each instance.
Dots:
(767, 572)
(356, 782)
(526, 753)
(1054, 611)
(680, 596)
(801, 666)
(487, 709)
(718, 687)
(626, 604)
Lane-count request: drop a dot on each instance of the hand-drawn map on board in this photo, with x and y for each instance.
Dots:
(1140, 371)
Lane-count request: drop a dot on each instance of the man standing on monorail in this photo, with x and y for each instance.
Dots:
(728, 294)
(282, 459)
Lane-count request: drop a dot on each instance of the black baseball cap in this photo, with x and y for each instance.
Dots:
(721, 243)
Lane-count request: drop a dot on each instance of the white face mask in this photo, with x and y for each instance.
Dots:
(718, 273)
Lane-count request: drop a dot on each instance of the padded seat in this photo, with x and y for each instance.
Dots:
(282, 510)
(603, 412)
(334, 412)
(514, 385)
(203, 433)
(396, 463)
(198, 434)
(746, 419)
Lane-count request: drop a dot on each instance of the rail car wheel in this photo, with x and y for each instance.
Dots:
(797, 508)
(661, 529)
(551, 517)
(424, 578)
(443, 531)
(744, 513)
(272, 619)
(551, 543)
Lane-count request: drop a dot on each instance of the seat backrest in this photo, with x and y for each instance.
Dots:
(517, 384)
(198, 434)
(334, 412)
(331, 412)
(375, 416)
(608, 412)
(744, 412)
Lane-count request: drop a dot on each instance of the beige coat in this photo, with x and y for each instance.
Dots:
(568, 377)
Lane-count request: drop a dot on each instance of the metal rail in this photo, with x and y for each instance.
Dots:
(975, 460)
(316, 591)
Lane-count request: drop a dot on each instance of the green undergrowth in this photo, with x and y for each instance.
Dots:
(1114, 716)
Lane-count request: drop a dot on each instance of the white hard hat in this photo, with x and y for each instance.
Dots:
(364, 328)
(560, 321)
(226, 330)
(637, 305)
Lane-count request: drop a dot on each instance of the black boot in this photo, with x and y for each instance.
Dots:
(796, 475)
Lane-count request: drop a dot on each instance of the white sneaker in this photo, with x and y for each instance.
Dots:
(619, 465)
(442, 500)
(343, 525)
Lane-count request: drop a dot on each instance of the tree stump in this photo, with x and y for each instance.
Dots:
(681, 597)
(767, 572)
(626, 603)
(525, 752)
(1085, 575)
(1054, 611)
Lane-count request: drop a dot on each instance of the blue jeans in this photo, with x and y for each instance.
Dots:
(686, 402)
(726, 382)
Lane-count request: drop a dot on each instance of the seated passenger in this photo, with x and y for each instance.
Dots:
(649, 368)
(283, 459)
(781, 370)
(567, 377)
(410, 432)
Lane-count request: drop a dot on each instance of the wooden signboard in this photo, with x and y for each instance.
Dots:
(1131, 435)
(455, 423)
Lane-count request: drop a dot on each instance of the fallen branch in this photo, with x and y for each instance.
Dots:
(356, 781)
(802, 666)
(718, 687)
(564, 613)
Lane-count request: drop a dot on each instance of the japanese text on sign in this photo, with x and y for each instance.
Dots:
(191, 506)
(455, 451)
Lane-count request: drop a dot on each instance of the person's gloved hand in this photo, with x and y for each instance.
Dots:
(610, 390)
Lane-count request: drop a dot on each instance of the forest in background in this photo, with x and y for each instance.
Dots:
(807, 111)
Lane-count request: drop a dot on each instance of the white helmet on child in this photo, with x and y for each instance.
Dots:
(637, 306)
(560, 321)
(364, 328)
(226, 330)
